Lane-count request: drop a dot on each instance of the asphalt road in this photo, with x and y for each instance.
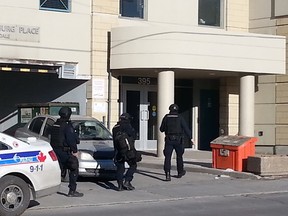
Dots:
(194, 194)
(252, 204)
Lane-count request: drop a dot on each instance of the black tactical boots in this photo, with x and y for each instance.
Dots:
(74, 194)
(168, 176)
(127, 185)
(120, 186)
(180, 174)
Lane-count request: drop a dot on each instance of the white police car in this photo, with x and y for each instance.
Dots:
(27, 168)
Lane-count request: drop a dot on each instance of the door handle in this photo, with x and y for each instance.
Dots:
(144, 115)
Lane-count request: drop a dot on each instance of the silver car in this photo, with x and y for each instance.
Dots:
(96, 149)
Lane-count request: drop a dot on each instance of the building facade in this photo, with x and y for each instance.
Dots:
(271, 102)
(218, 60)
(206, 61)
(45, 54)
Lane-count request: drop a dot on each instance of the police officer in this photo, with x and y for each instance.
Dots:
(124, 125)
(174, 127)
(64, 142)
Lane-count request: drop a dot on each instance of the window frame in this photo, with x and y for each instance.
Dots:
(142, 15)
(275, 12)
(55, 9)
(221, 15)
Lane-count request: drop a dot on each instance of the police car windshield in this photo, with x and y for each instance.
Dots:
(91, 130)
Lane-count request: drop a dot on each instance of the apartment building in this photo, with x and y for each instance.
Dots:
(217, 59)
(197, 53)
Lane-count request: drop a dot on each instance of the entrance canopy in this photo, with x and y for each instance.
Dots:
(196, 48)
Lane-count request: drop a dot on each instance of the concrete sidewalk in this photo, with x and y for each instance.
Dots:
(194, 161)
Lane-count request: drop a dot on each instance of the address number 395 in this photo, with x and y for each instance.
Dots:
(144, 81)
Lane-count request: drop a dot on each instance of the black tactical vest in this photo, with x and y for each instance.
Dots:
(57, 135)
(173, 124)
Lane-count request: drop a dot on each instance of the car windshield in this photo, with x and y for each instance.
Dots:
(91, 130)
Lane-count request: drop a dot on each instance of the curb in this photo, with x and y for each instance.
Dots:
(200, 169)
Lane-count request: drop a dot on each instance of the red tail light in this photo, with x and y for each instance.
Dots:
(53, 155)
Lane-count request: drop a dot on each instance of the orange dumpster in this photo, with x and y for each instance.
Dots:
(231, 152)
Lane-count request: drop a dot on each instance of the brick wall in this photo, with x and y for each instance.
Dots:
(104, 17)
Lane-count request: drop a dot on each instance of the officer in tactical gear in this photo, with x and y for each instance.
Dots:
(64, 142)
(174, 127)
(124, 125)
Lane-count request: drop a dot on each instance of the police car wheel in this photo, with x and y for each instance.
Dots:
(14, 195)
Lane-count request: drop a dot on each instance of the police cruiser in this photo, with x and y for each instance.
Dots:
(29, 169)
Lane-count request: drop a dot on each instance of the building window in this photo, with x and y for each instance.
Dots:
(210, 12)
(132, 8)
(279, 8)
(56, 5)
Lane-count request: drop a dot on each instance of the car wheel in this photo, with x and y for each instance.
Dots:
(14, 196)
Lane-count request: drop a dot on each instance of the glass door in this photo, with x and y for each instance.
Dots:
(133, 99)
(141, 104)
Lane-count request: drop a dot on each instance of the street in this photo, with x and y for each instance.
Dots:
(194, 194)
(253, 204)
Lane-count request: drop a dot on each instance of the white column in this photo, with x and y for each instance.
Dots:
(246, 112)
(165, 99)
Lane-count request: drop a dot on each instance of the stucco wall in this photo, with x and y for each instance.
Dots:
(181, 12)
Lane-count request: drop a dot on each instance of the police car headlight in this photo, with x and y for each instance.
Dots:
(85, 156)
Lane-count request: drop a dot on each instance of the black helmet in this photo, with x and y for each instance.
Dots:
(125, 116)
(65, 112)
(173, 107)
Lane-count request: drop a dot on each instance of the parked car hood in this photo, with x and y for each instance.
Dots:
(100, 149)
